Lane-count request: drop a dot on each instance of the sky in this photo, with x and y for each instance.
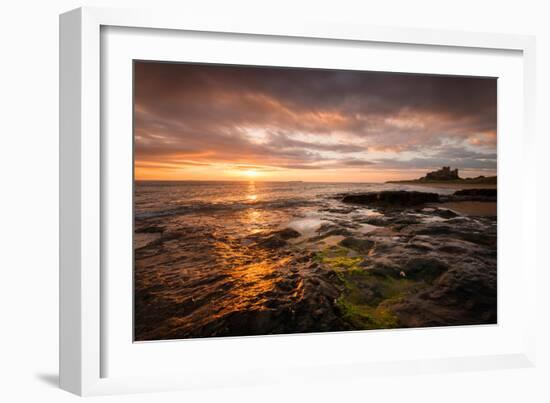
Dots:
(220, 122)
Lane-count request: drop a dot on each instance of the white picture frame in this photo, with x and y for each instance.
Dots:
(85, 345)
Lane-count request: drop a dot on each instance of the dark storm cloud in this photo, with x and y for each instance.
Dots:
(444, 155)
(283, 141)
(307, 119)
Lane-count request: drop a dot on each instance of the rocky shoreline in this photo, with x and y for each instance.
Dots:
(406, 262)
(437, 272)
(404, 198)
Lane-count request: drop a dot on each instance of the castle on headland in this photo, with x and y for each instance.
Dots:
(443, 174)
(447, 174)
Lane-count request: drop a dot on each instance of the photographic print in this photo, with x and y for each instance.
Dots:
(277, 200)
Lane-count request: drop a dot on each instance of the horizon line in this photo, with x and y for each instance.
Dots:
(283, 181)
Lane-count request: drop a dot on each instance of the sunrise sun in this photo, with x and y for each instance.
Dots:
(250, 173)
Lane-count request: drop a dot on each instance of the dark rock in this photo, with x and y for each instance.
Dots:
(169, 236)
(477, 192)
(483, 195)
(405, 220)
(445, 213)
(278, 239)
(358, 245)
(273, 242)
(150, 229)
(376, 221)
(367, 198)
(381, 267)
(419, 246)
(427, 269)
(329, 230)
(464, 295)
(287, 233)
(400, 198)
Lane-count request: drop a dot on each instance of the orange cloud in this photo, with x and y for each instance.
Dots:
(202, 121)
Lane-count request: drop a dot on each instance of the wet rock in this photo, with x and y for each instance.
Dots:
(170, 236)
(248, 322)
(399, 198)
(477, 192)
(358, 245)
(463, 295)
(454, 247)
(277, 239)
(273, 242)
(328, 231)
(427, 269)
(376, 221)
(445, 213)
(152, 229)
(381, 267)
(368, 293)
(419, 244)
(406, 220)
(287, 233)
(287, 284)
(482, 195)
(336, 210)
(477, 231)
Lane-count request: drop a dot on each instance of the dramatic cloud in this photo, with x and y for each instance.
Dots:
(205, 121)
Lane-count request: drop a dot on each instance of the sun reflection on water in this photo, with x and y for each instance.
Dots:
(254, 221)
(254, 273)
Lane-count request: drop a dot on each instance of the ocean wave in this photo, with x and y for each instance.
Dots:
(201, 207)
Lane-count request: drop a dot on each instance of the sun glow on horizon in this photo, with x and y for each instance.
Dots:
(254, 173)
(250, 173)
